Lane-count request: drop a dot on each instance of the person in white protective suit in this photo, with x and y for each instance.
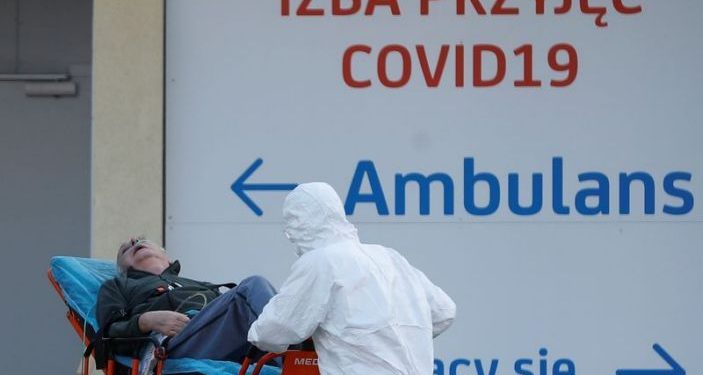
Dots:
(368, 311)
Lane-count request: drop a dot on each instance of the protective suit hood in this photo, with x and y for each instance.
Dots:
(314, 218)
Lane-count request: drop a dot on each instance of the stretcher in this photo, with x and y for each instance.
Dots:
(301, 361)
(78, 280)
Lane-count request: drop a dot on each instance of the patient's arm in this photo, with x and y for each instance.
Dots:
(168, 323)
(113, 316)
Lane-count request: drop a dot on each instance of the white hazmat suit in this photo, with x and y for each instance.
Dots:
(368, 311)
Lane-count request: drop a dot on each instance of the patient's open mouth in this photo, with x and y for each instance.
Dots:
(138, 247)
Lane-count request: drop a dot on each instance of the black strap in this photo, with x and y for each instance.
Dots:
(101, 349)
(98, 341)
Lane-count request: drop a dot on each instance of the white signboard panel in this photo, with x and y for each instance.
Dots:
(539, 160)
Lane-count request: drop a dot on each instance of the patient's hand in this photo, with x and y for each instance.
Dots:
(168, 323)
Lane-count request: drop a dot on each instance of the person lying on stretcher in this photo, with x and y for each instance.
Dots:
(150, 296)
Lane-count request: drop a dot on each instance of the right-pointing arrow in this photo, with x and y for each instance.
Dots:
(676, 369)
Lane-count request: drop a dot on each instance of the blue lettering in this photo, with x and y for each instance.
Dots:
(366, 168)
(520, 367)
(625, 184)
(558, 187)
(601, 193)
(543, 362)
(456, 363)
(685, 195)
(470, 180)
(438, 367)
(479, 367)
(592, 198)
(514, 195)
(424, 185)
(570, 367)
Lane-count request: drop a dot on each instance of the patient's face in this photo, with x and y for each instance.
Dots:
(143, 255)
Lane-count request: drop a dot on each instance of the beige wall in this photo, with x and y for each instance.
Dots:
(128, 123)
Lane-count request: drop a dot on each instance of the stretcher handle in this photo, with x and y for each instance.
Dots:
(259, 364)
(263, 358)
(253, 352)
(268, 357)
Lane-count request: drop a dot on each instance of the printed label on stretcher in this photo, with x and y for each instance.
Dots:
(300, 363)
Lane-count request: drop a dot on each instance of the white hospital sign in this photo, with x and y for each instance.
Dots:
(539, 160)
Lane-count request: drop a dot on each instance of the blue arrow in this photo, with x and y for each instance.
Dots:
(240, 188)
(676, 369)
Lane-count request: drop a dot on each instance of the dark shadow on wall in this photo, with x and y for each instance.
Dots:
(44, 178)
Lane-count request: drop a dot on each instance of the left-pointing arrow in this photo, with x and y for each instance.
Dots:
(239, 187)
(675, 369)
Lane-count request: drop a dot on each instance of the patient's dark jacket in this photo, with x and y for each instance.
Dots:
(122, 300)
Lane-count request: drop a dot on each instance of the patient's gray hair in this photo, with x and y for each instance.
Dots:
(123, 247)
